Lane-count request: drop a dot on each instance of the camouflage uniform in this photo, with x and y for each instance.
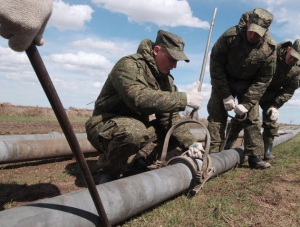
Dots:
(120, 125)
(243, 70)
(284, 83)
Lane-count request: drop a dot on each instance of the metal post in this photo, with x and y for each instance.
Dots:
(45, 80)
(194, 113)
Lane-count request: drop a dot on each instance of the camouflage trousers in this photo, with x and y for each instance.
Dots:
(217, 120)
(270, 127)
(117, 139)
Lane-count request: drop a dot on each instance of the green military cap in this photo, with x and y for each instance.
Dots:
(173, 44)
(295, 49)
(260, 20)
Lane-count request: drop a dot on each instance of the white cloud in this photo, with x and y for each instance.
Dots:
(97, 85)
(106, 46)
(8, 55)
(12, 63)
(82, 60)
(288, 19)
(25, 77)
(69, 17)
(79, 66)
(171, 13)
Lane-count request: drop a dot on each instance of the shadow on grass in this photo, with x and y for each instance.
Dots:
(11, 193)
(74, 170)
(41, 161)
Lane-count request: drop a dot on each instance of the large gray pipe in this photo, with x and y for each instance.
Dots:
(121, 199)
(25, 150)
(20, 148)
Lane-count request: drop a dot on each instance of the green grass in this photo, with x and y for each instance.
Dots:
(241, 197)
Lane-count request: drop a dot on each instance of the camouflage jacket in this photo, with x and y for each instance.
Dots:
(136, 89)
(285, 80)
(238, 67)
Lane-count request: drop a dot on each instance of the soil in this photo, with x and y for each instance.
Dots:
(25, 182)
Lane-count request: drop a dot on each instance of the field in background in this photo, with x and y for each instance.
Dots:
(38, 120)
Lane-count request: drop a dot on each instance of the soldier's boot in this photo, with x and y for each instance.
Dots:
(105, 177)
(268, 154)
(137, 165)
(255, 162)
(229, 143)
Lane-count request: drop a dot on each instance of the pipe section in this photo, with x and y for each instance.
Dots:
(25, 150)
(50, 135)
(121, 199)
(19, 148)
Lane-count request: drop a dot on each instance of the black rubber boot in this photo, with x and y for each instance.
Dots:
(136, 166)
(105, 177)
(229, 143)
(255, 162)
(268, 154)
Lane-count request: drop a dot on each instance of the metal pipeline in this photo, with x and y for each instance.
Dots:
(122, 198)
(20, 148)
(26, 150)
(50, 135)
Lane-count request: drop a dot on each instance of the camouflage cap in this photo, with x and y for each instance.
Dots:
(295, 49)
(173, 44)
(260, 20)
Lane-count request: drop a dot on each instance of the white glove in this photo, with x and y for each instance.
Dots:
(24, 22)
(196, 150)
(194, 97)
(229, 103)
(240, 109)
(274, 115)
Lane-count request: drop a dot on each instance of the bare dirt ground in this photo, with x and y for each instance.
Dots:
(25, 182)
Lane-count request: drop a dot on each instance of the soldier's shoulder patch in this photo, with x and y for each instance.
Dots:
(233, 31)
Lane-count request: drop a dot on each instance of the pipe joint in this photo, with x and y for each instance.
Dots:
(195, 166)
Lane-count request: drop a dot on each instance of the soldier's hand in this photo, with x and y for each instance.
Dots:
(240, 109)
(273, 113)
(196, 150)
(194, 97)
(229, 103)
(24, 22)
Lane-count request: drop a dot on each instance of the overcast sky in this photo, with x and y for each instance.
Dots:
(84, 39)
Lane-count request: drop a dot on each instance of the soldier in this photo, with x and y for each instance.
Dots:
(284, 83)
(138, 86)
(242, 64)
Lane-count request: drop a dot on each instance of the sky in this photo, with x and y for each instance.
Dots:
(85, 38)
